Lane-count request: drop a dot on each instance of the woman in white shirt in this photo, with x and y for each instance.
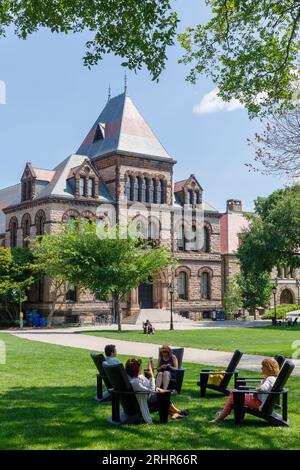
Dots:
(270, 370)
(140, 383)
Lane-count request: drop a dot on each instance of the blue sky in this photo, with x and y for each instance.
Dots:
(52, 100)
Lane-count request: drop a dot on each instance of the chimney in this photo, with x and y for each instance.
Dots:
(234, 205)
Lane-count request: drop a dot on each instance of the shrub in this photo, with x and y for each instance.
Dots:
(281, 311)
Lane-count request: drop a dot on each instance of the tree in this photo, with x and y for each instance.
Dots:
(250, 49)
(16, 277)
(138, 31)
(277, 148)
(272, 238)
(232, 297)
(111, 260)
(256, 290)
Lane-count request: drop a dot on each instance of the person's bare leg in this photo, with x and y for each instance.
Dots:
(159, 379)
(166, 380)
(174, 412)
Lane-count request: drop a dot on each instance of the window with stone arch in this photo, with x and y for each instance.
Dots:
(128, 188)
(206, 239)
(91, 187)
(153, 230)
(26, 224)
(152, 191)
(193, 238)
(181, 238)
(182, 285)
(40, 220)
(13, 228)
(205, 283)
(70, 217)
(144, 190)
(136, 188)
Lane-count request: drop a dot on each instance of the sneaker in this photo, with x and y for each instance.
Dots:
(184, 412)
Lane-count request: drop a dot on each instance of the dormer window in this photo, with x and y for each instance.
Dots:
(26, 190)
(91, 187)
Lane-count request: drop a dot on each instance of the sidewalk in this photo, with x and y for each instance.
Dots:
(96, 343)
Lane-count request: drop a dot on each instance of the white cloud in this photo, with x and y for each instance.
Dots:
(211, 103)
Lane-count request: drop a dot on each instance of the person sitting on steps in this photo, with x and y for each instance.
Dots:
(166, 367)
(270, 370)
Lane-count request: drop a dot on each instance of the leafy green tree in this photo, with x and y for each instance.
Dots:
(16, 277)
(232, 297)
(272, 238)
(107, 261)
(138, 31)
(256, 290)
(250, 49)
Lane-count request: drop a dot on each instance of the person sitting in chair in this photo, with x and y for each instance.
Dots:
(140, 383)
(270, 370)
(111, 355)
(166, 367)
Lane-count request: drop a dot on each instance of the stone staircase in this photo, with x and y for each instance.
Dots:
(157, 315)
(131, 319)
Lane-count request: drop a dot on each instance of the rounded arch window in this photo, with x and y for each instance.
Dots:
(13, 228)
(128, 188)
(205, 285)
(152, 191)
(40, 220)
(160, 192)
(26, 224)
(182, 285)
(136, 189)
(206, 240)
(144, 190)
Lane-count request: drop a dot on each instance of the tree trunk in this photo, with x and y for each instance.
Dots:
(118, 311)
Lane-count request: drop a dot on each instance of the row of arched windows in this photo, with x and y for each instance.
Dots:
(26, 224)
(205, 285)
(191, 242)
(145, 189)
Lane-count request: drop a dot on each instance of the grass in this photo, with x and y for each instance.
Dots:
(46, 403)
(265, 341)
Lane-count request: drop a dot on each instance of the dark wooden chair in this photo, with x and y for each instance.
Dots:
(228, 374)
(123, 394)
(267, 411)
(101, 377)
(176, 384)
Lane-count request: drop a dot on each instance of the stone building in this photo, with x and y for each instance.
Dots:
(121, 171)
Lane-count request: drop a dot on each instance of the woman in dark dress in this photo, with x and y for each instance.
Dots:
(167, 365)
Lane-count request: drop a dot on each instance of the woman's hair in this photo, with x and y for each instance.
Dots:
(165, 347)
(133, 367)
(272, 366)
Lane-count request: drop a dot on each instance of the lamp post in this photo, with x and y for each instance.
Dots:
(298, 286)
(274, 320)
(171, 290)
(20, 307)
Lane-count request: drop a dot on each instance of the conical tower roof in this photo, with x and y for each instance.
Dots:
(121, 129)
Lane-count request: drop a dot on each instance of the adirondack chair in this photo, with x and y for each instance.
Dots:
(101, 377)
(228, 374)
(123, 394)
(267, 411)
(176, 384)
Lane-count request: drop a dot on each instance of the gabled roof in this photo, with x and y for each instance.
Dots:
(121, 128)
(8, 197)
(179, 185)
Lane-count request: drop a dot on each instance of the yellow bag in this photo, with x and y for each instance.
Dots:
(216, 379)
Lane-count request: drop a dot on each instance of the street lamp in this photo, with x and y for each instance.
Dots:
(20, 306)
(171, 290)
(298, 286)
(274, 289)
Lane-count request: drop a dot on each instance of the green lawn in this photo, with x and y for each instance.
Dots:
(46, 403)
(266, 341)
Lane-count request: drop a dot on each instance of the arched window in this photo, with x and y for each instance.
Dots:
(205, 286)
(193, 238)
(197, 197)
(160, 192)
(191, 197)
(82, 186)
(181, 238)
(206, 240)
(40, 220)
(128, 188)
(144, 190)
(152, 191)
(13, 227)
(136, 189)
(182, 285)
(26, 223)
(152, 231)
(71, 294)
(91, 187)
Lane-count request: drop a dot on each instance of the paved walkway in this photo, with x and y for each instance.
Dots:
(65, 337)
